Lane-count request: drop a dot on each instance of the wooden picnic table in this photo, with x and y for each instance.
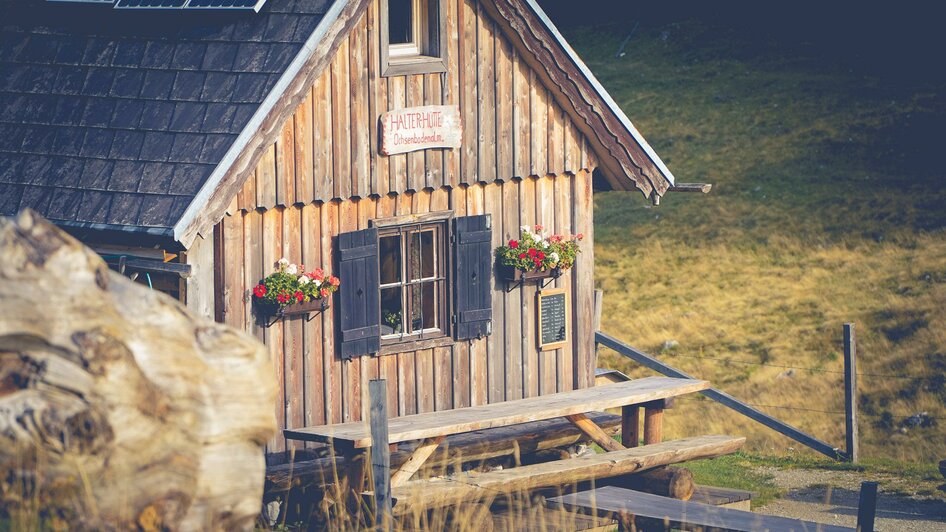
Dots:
(352, 439)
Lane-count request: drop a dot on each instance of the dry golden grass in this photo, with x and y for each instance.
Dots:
(828, 207)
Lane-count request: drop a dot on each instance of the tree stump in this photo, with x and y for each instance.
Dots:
(119, 409)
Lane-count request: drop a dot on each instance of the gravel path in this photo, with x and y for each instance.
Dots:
(831, 497)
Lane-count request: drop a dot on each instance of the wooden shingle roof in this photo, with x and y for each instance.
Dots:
(115, 119)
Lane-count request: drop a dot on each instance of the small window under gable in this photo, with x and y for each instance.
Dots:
(412, 37)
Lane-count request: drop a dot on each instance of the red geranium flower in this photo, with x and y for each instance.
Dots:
(522, 255)
(324, 292)
(538, 228)
(514, 244)
(299, 296)
(532, 252)
(541, 256)
(259, 290)
(282, 297)
(333, 281)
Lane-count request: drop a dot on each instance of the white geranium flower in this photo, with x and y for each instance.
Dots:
(304, 280)
(317, 282)
(284, 262)
(543, 244)
(292, 269)
(554, 256)
(525, 229)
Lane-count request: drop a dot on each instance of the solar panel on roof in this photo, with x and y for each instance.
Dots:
(85, 1)
(150, 4)
(255, 5)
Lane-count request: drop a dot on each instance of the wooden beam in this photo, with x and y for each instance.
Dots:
(850, 393)
(594, 432)
(471, 485)
(691, 187)
(421, 454)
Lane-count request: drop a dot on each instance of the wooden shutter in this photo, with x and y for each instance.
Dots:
(473, 310)
(360, 293)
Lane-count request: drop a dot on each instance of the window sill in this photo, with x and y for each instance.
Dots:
(415, 345)
(415, 64)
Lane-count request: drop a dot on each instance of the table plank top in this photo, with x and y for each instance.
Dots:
(432, 424)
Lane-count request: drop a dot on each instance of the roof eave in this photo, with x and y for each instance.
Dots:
(187, 228)
(602, 92)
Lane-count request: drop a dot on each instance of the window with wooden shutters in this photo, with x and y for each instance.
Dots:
(473, 283)
(358, 271)
(412, 282)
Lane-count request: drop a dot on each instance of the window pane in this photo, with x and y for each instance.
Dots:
(424, 306)
(422, 255)
(391, 315)
(390, 259)
(400, 21)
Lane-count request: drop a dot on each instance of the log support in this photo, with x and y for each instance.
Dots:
(631, 426)
(594, 432)
(420, 456)
(653, 422)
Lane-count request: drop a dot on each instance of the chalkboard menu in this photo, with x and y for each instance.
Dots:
(553, 318)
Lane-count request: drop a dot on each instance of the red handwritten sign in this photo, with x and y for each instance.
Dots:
(419, 128)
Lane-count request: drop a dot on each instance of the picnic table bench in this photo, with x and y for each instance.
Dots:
(353, 439)
(638, 510)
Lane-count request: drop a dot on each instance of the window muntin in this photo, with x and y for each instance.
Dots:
(413, 282)
(412, 37)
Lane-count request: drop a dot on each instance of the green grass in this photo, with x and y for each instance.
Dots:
(828, 207)
(736, 471)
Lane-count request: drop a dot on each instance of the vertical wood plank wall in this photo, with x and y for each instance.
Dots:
(522, 160)
(317, 387)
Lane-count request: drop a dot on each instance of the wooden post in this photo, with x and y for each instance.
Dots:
(599, 300)
(380, 453)
(630, 426)
(653, 422)
(867, 507)
(596, 321)
(850, 392)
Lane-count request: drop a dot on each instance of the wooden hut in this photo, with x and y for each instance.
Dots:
(194, 148)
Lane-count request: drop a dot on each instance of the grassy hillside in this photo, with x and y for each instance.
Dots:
(829, 206)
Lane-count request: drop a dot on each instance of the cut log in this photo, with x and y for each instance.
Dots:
(119, 408)
(468, 486)
(673, 482)
(471, 447)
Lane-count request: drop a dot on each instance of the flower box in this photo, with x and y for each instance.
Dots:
(516, 275)
(299, 309)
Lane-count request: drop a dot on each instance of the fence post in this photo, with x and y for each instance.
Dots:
(867, 507)
(850, 393)
(380, 453)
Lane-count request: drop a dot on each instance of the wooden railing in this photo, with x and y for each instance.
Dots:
(722, 398)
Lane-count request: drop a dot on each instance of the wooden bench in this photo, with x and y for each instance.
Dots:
(468, 486)
(638, 509)
(468, 448)
(352, 439)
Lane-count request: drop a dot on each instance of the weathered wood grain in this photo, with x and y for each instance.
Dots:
(121, 406)
(662, 511)
(420, 426)
(471, 485)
